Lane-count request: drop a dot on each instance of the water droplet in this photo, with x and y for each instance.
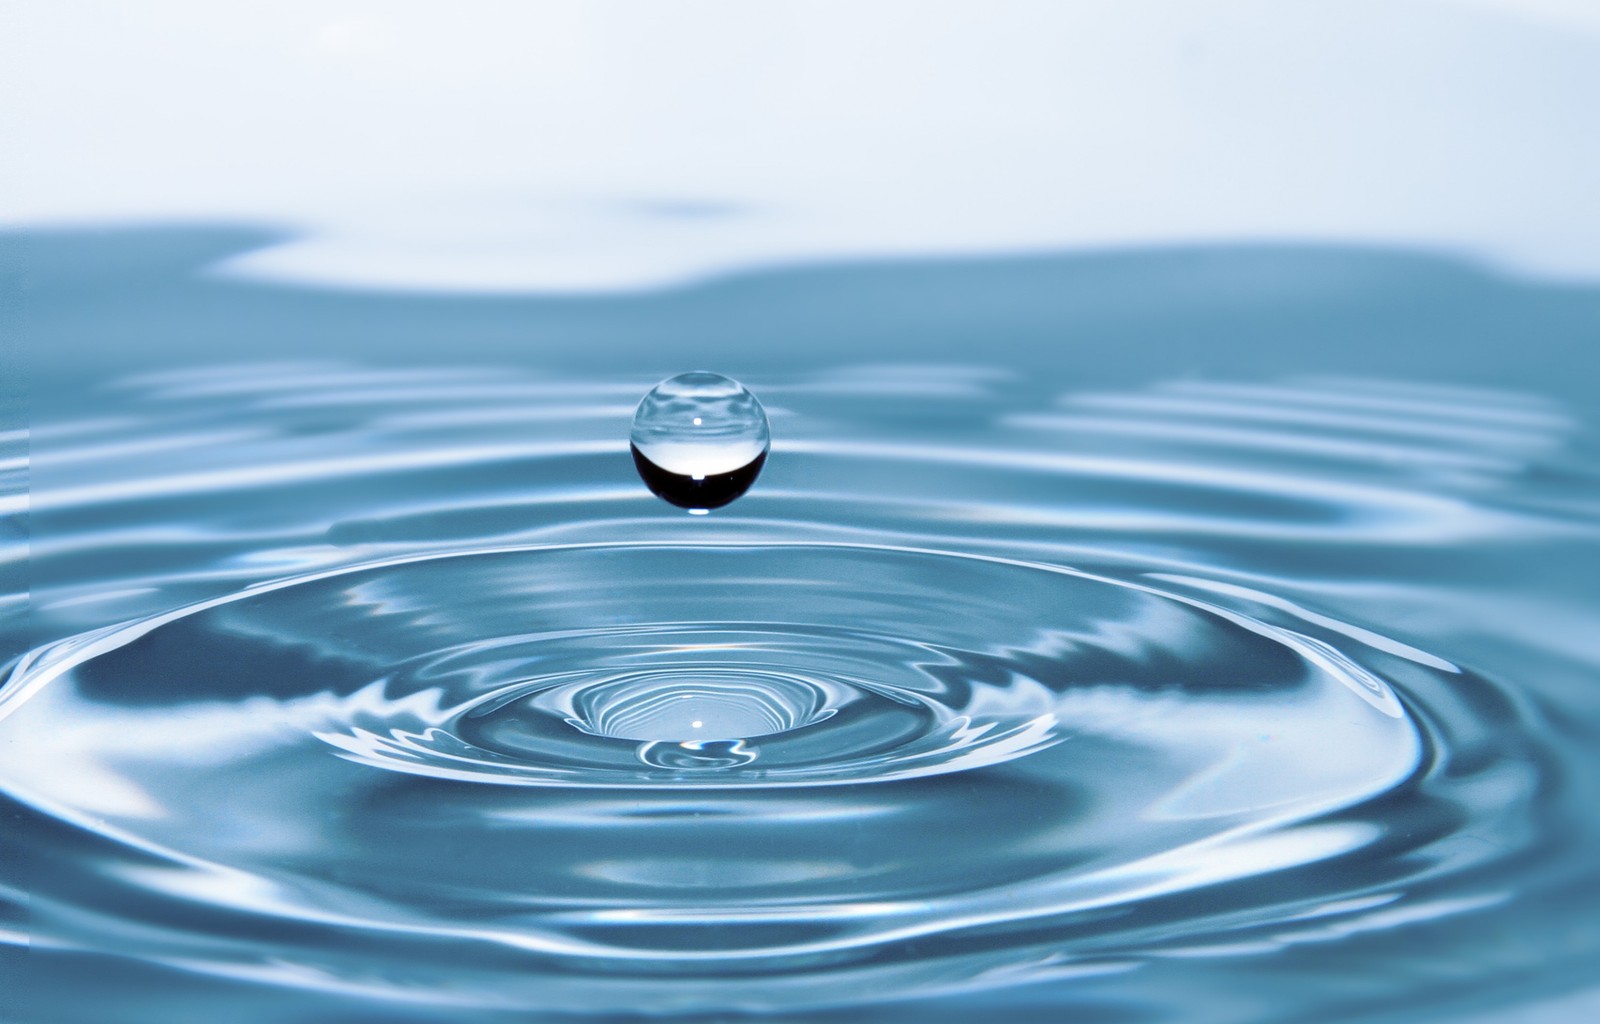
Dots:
(699, 440)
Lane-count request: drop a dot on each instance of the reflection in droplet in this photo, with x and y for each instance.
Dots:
(699, 440)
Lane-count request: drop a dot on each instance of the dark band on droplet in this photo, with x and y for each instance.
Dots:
(711, 491)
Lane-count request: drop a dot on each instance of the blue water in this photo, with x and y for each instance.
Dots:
(1198, 635)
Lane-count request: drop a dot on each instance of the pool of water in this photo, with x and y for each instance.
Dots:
(1197, 635)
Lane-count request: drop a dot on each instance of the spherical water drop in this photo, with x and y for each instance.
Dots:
(699, 440)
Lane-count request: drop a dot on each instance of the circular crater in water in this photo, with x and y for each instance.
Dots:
(689, 707)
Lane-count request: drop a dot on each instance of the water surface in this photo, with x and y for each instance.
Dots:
(1176, 635)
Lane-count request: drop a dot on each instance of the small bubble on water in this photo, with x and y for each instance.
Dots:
(699, 440)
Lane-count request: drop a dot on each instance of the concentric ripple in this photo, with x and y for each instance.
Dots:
(754, 666)
(484, 726)
(1107, 733)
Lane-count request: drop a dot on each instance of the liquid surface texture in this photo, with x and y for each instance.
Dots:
(1024, 686)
